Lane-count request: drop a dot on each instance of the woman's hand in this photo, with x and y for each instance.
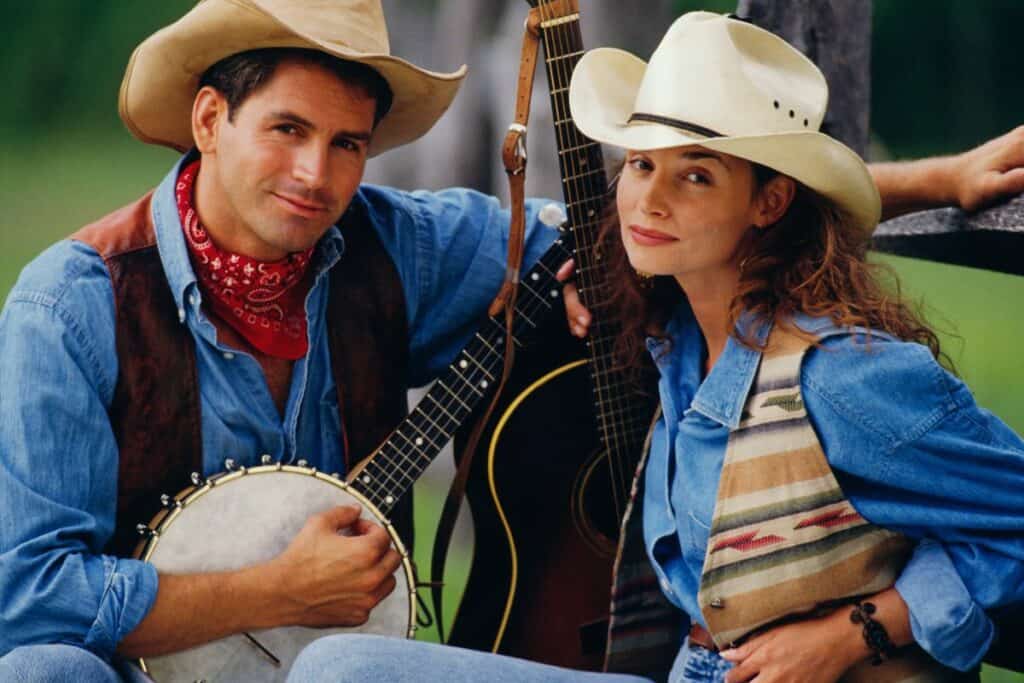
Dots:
(812, 651)
(577, 316)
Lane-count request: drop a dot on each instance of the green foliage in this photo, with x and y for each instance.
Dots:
(61, 61)
(946, 73)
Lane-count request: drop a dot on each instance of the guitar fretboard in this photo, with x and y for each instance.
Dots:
(414, 444)
(622, 420)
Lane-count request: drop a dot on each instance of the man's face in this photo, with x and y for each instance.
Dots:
(275, 178)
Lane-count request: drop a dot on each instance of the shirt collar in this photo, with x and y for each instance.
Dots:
(170, 241)
(723, 393)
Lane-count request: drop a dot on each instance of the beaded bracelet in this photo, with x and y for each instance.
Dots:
(875, 634)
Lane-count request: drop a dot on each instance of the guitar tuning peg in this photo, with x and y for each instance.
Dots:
(197, 479)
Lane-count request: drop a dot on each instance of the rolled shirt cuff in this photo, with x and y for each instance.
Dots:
(945, 620)
(128, 595)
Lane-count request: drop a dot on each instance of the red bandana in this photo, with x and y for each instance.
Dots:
(263, 302)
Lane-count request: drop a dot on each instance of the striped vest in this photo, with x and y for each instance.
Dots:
(784, 542)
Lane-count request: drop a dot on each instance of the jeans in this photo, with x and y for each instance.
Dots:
(63, 664)
(694, 664)
(373, 659)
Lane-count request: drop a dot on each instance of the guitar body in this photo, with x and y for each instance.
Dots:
(544, 528)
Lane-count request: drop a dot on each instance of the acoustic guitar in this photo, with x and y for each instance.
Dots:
(548, 496)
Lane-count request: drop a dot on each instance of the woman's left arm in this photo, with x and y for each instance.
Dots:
(915, 454)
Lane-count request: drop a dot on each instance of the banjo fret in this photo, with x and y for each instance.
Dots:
(414, 444)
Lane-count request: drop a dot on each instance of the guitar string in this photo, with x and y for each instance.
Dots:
(630, 422)
(554, 46)
(590, 181)
(575, 176)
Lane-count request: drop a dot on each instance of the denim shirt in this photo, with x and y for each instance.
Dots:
(910, 448)
(58, 369)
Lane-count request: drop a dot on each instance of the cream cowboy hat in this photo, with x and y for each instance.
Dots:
(163, 74)
(729, 86)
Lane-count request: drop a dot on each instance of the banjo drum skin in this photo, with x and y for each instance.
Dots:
(247, 516)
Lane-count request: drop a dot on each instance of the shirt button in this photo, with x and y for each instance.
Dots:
(228, 355)
(181, 315)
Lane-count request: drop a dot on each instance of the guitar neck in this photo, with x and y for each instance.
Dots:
(622, 420)
(393, 468)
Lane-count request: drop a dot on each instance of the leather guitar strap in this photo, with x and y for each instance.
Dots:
(513, 155)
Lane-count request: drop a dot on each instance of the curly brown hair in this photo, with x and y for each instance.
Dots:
(812, 261)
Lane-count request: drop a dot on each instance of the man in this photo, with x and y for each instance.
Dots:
(241, 243)
(136, 351)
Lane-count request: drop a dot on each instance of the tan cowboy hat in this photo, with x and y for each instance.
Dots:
(730, 86)
(163, 74)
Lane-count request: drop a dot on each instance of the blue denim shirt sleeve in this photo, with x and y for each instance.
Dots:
(58, 462)
(916, 454)
(450, 249)
(944, 619)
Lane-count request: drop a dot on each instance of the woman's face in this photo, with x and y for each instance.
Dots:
(684, 210)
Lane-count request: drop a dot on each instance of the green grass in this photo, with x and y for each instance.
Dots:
(51, 187)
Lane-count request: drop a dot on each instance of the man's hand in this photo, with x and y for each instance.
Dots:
(991, 171)
(971, 180)
(577, 316)
(336, 569)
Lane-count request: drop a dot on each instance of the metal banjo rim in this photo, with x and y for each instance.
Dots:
(166, 517)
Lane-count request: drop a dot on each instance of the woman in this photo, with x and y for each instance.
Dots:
(820, 500)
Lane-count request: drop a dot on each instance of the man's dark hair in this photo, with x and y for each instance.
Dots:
(240, 75)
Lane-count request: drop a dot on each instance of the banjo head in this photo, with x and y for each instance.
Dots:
(245, 517)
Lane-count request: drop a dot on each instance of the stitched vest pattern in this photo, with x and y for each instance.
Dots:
(784, 540)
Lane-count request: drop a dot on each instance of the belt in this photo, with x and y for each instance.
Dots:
(700, 637)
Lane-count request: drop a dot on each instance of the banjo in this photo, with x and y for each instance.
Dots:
(243, 516)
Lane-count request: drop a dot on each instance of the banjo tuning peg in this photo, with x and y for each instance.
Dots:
(197, 479)
(169, 501)
(266, 459)
(230, 464)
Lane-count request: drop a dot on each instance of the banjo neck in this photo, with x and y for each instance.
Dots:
(391, 470)
(622, 420)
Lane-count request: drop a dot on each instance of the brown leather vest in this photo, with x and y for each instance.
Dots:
(155, 413)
